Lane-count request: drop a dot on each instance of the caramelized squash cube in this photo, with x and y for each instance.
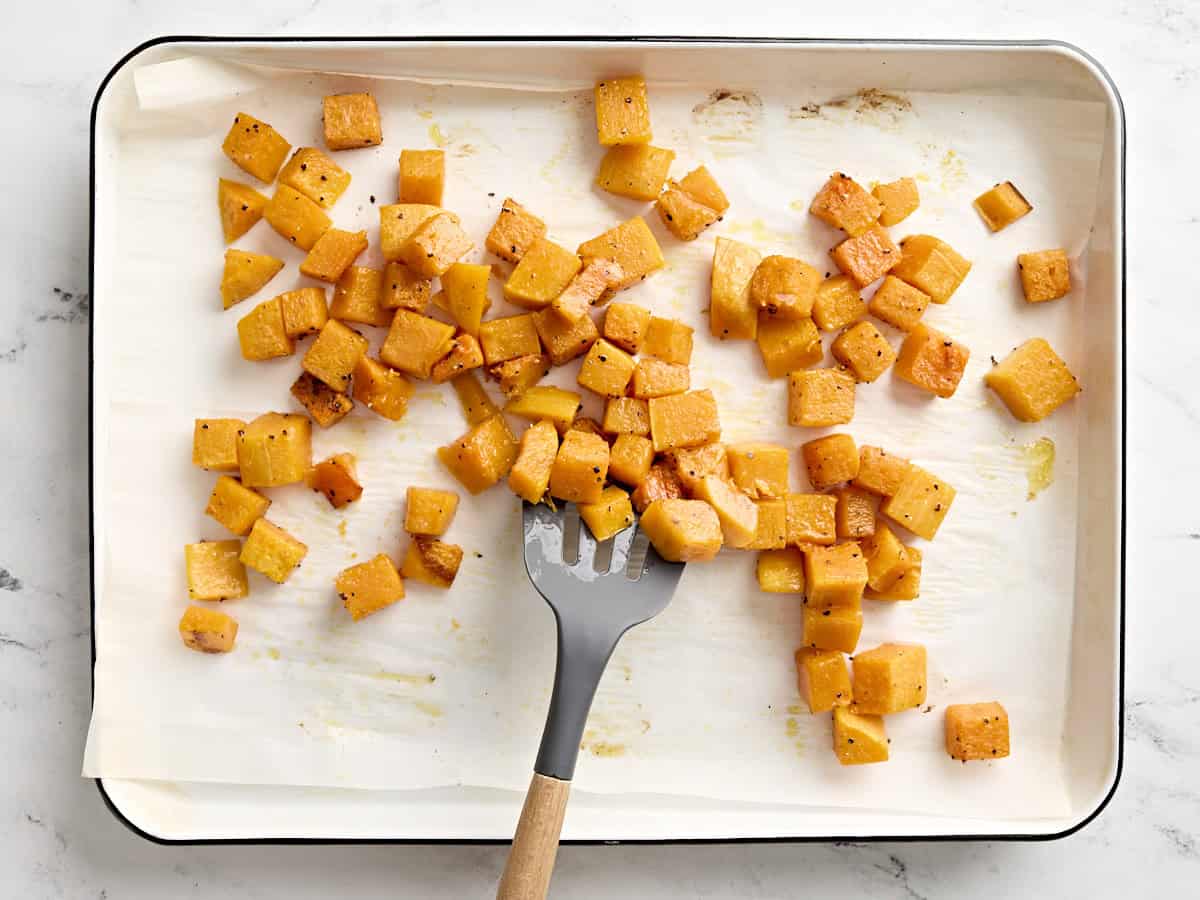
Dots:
(304, 311)
(381, 389)
(622, 111)
(844, 203)
(606, 369)
(1001, 206)
(545, 401)
(889, 679)
(530, 475)
(543, 273)
(837, 303)
(369, 587)
(626, 415)
(482, 456)
(245, 274)
(351, 121)
(737, 513)
(509, 338)
(214, 571)
(700, 185)
(932, 266)
(976, 731)
(405, 289)
(564, 342)
(636, 171)
(684, 420)
(819, 398)
(626, 325)
(863, 350)
(608, 516)
(682, 530)
(898, 303)
(732, 311)
(296, 218)
(780, 571)
(787, 345)
(415, 343)
(241, 207)
(324, 405)
(580, 468)
(811, 519)
(630, 459)
(591, 286)
(333, 253)
(1033, 381)
(214, 444)
(920, 503)
(823, 679)
(255, 147)
(867, 257)
(932, 361)
(271, 551)
(436, 245)
(337, 479)
(772, 526)
(859, 739)
(207, 630)
(759, 469)
(669, 340)
(316, 176)
(832, 628)
(631, 245)
(830, 460)
(398, 222)
(908, 585)
(655, 378)
(515, 231)
(855, 517)
(1045, 275)
(432, 562)
(660, 483)
(334, 354)
(785, 287)
(516, 376)
(682, 215)
(274, 450)
(879, 472)
(694, 464)
(899, 200)
(261, 332)
(836, 576)
(422, 176)
(476, 405)
(465, 354)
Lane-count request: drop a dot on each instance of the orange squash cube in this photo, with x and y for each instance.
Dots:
(369, 587)
(889, 679)
(316, 176)
(819, 398)
(660, 483)
(274, 450)
(482, 456)
(415, 343)
(429, 511)
(636, 171)
(976, 731)
(271, 551)
(785, 287)
(546, 402)
(700, 185)
(591, 286)
(920, 503)
(241, 207)
(682, 215)
(823, 679)
(333, 253)
(859, 739)
(255, 147)
(887, 558)
(684, 420)
(381, 389)
(626, 325)
(832, 628)
(580, 468)
(622, 111)
(515, 231)
(324, 405)
(245, 274)
(932, 361)
(898, 303)
(564, 342)
(631, 245)
(543, 273)
(836, 576)
(780, 571)
(932, 266)
(837, 303)
(626, 415)
(405, 289)
(669, 340)
(464, 354)
(398, 222)
(214, 571)
(261, 333)
(759, 469)
(207, 630)
(907, 586)
(732, 312)
(337, 479)
(863, 350)
(1001, 206)
(296, 218)
(530, 475)
(422, 176)
(694, 464)
(899, 200)
(811, 519)
(655, 378)
(606, 369)
(608, 516)
(214, 444)
(1045, 275)
(844, 203)
(879, 472)
(432, 562)
(476, 405)
(737, 512)
(630, 458)
(334, 354)
(772, 526)
(358, 297)
(435, 246)
(787, 345)
(509, 338)
(516, 376)
(351, 121)
(304, 311)
(830, 460)
(867, 257)
(1033, 381)
(855, 517)
(465, 285)
(682, 530)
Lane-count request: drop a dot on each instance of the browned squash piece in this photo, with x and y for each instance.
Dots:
(274, 450)
(660, 483)
(465, 354)
(682, 530)
(369, 587)
(1001, 206)
(580, 468)
(920, 503)
(564, 342)
(316, 176)
(337, 479)
(435, 246)
(867, 257)
(334, 354)
(255, 147)
(405, 289)
(482, 456)
(530, 475)
(759, 469)
(832, 628)
(422, 176)
(863, 350)
(381, 389)
(835, 576)
(240, 205)
(785, 287)
(855, 513)
(626, 325)
(516, 376)
(431, 561)
(415, 343)
(932, 266)
(844, 203)
(879, 472)
(515, 231)
(631, 245)
(351, 121)
(609, 515)
(694, 464)
(271, 551)
(683, 216)
(324, 405)
(261, 332)
(207, 630)
(590, 287)
(932, 361)
(830, 460)
(622, 111)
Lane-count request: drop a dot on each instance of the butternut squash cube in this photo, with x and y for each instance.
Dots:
(859, 739)
(271, 551)
(920, 503)
(1001, 206)
(899, 200)
(351, 121)
(898, 303)
(207, 630)
(1045, 275)
(863, 350)
(976, 731)
(405, 289)
(325, 405)
(887, 558)
(823, 679)
(837, 303)
(516, 376)
(889, 679)
(316, 176)
(761, 470)
(626, 325)
(564, 342)
(432, 562)
(844, 203)
(337, 479)
(245, 274)
(214, 443)
(684, 420)
(636, 171)
(832, 628)
(580, 468)
(772, 526)
(261, 332)
(358, 297)
(476, 405)
(819, 398)
(626, 415)
(879, 472)
(655, 378)
(515, 231)
(465, 285)
(631, 245)
(415, 343)
(333, 253)
(867, 257)
(830, 460)
(546, 402)
(787, 345)
(482, 456)
(369, 587)
(932, 266)
(660, 483)
(422, 176)
(398, 222)
(785, 287)
(669, 340)
(530, 475)
(622, 111)
(296, 218)
(241, 206)
(932, 361)
(855, 517)
(780, 571)
(429, 511)
(334, 354)
(732, 311)
(1033, 381)
(381, 389)
(591, 286)
(589, 425)
(610, 515)
(304, 311)
(606, 369)
(543, 273)
(509, 338)
(836, 576)
(694, 464)
(255, 147)
(682, 530)
(465, 354)
(700, 185)
(811, 519)
(436, 245)
(214, 571)
(682, 215)
(274, 450)
(904, 576)
(630, 458)
(737, 512)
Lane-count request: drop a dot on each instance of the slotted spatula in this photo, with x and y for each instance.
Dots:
(593, 609)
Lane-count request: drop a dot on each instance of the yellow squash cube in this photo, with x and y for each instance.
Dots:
(1033, 381)
(564, 342)
(543, 273)
(660, 483)
(785, 287)
(636, 171)
(516, 376)
(830, 460)
(700, 185)
(422, 176)
(920, 503)
(867, 257)
(631, 245)
(682, 215)
(859, 739)
(630, 459)
(530, 475)
(889, 679)
(241, 206)
(333, 253)
(836, 576)
(626, 325)
(907, 586)
(606, 369)
(737, 513)
(515, 231)
(429, 511)
(274, 450)
(655, 378)
(381, 389)
(787, 345)
(296, 218)
(590, 425)
(887, 558)
(464, 354)
(591, 286)
(398, 222)
(837, 303)
(932, 266)
(465, 285)
(271, 551)
(819, 398)
(476, 405)
(324, 405)
(482, 456)
(855, 517)
(316, 176)
(932, 361)
(863, 350)
(626, 415)
(684, 420)
(811, 519)
(899, 199)
(509, 338)
(580, 468)
(405, 289)
(694, 464)
(337, 479)
(245, 274)
(832, 628)
(772, 526)
(761, 470)
(304, 311)
(622, 111)
(823, 679)
(898, 303)
(334, 354)
(1045, 275)
(214, 443)
(1001, 206)
(732, 311)
(542, 401)
(415, 343)
(435, 246)
(351, 121)
(255, 147)
(879, 472)
(976, 731)
(214, 571)
(682, 530)
(608, 516)
(669, 340)
(369, 587)
(207, 630)
(844, 203)
(432, 562)
(358, 297)
(780, 571)
(261, 332)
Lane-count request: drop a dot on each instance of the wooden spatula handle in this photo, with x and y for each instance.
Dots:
(535, 846)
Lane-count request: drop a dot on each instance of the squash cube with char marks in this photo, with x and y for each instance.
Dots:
(1045, 275)
(837, 303)
(859, 739)
(214, 444)
(381, 389)
(844, 203)
(369, 587)
(606, 369)
(1033, 381)
(889, 679)
(333, 254)
(432, 562)
(660, 483)
(436, 245)
(737, 513)
(422, 176)
(732, 312)
(261, 332)
(772, 526)
(636, 171)
(932, 266)
(631, 245)
(836, 576)
(682, 530)
(759, 469)
(684, 420)
(509, 338)
(245, 274)
(879, 471)
(832, 628)
(830, 460)
(608, 516)
(530, 475)
(415, 343)
(515, 231)
(819, 398)
(1001, 206)
(580, 468)
(241, 207)
(694, 464)
(316, 176)
(622, 111)
(337, 479)
(334, 354)
(626, 325)
(325, 405)
(476, 405)
(564, 342)
(920, 503)
(358, 297)
(899, 200)
(429, 511)
(405, 289)
(655, 378)
(351, 121)
(780, 571)
(214, 571)
(274, 450)
(811, 519)
(305, 311)
(823, 679)
(591, 286)
(545, 401)
(669, 340)
(626, 415)
(516, 376)
(482, 456)
(787, 345)
(898, 303)
(543, 273)
(785, 287)
(976, 731)
(867, 257)
(296, 218)
(630, 458)
(255, 147)
(682, 215)
(398, 222)
(271, 551)
(208, 630)
(863, 350)
(855, 516)
(464, 354)
(932, 361)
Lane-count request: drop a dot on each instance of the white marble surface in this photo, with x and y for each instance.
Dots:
(57, 839)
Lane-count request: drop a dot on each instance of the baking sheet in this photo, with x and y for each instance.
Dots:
(451, 688)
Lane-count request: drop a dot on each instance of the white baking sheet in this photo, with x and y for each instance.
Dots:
(450, 688)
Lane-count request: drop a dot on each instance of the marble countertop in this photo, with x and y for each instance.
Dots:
(56, 837)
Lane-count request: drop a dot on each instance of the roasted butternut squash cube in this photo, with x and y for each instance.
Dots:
(337, 479)
(811, 519)
(859, 739)
(333, 253)
(887, 558)
(920, 503)
(837, 303)
(932, 361)
(931, 265)
(398, 222)
(545, 401)
(863, 350)
(564, 342)
(830, 460)
(580, 468)
(515, 231)
(669, 340)
(622, 111)
(682, 530)
(207, 630)
(785, 287)
(476, 405)
(606, 369)
(780, 571)
(261, 332)
(482, 456)
(836, 576)
(381, 389)
(879, 472)
(787, 345)
(436, 245)
(255, 147)
(823, 679)
(694, 464)
(405, 289)
(1033, 381)
(241, 206)
(334, 354)
(422, 176)
(530, 475)
(608, 516)
(630, 458)
(296, 218)
(660, 483)
(316, 176)
(271, 551)
(465, 354)
(509, 338)
(1045, 275)
(358, 297)
(898, 303)
(590, 425)
(369, 587)
(682, 215)
(832, 628)
(516, 376)
(543, 273)
(867, 257)
(415, 343)
(759, 469)
(626, 325)
(304, 311)
(631, 245)
(351, 121)
(684, 420)
(737, 513)
(732, 312)
(626, 415)
(214, 571)
(655, 378)
(819, 398)
(214, 444)
(324, 405)
(1001, 206)
(889, 679)
(591, 286)
(245, 274)
(907, 586)
(899, 200)
(274, 450)
(855, 517)
(700, 185)
(429, 511)
(432, 562)
(844, 203)
(636, 171)
(976, 731)
(772, 526)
